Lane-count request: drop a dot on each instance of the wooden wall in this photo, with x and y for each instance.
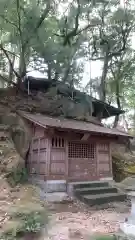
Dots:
(38, 159)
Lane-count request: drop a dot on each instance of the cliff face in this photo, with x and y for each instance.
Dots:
(21, 211)
(123, 162)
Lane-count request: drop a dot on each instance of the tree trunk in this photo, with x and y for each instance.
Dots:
(134, 122)
(118, 102)
(49, 71)
(102, 84)
(22, 67)
(67, 71)
(10, 77)
(116, 121)
(103, 78)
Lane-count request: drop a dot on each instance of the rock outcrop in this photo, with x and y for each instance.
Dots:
(54, 102)
(21, 211)
(123, 162)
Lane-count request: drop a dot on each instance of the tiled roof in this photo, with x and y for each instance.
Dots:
(59, 122)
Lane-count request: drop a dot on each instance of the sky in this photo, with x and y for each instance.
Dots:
(96, 70)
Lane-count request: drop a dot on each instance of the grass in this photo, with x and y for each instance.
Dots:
(104, 237)
(27, 215)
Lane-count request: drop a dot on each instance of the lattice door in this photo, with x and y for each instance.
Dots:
(82, 160)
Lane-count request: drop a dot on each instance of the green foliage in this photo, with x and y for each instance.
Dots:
(130, 169)
(118, 167)
(33, 44)
(22, 224)
(18, 176)
(105, 237)
(33, 222)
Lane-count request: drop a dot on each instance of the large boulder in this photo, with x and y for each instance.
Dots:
(123, 162)
(56, 100)
(19, 130)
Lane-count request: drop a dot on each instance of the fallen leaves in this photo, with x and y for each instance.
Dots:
(81, 224)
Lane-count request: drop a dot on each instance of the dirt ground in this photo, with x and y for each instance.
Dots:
(74, 221)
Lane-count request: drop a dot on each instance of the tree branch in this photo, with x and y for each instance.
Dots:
(86, 28)
(12, 53)
(7, 81)
(118, 52)
(19, 19)
(8, 21)
(9, 60)
(40, 21)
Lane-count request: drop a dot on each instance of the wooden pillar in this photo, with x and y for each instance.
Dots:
(31, 157)
(48, 163)
(110, 158)
(97, 160)
(38, 160)
(38, 149)
(66, 161)
(31, 150)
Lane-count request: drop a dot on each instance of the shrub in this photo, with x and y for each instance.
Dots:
(130, 170)
(118, 167)
(33, 222)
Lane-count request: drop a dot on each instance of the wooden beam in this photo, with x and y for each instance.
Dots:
(110, 158)
(66, 161)
(85, 137)
(48, 158)
(97, 161)
(51, 132)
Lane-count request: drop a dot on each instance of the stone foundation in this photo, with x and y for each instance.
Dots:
(56, 186)
(50, 186)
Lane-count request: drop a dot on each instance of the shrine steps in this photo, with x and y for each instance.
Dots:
(98, 193)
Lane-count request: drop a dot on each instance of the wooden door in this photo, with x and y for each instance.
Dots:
(82, 161)
(37, 161)
(104, 160)
(57, 158)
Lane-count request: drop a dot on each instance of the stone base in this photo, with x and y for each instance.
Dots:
(50, 186)
(56, 197)
(56, 186)
(127, 231)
